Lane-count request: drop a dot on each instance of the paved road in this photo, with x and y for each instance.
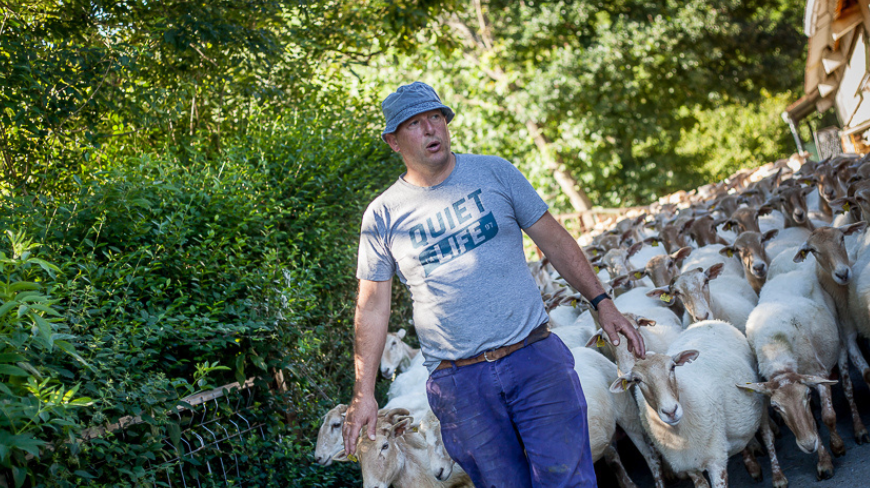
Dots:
(850, 471)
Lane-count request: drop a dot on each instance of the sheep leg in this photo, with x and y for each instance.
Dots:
(825, 467)
(718, 475)
(829, 417)
(779, 479)
(859, 430)
(751, 464)
(611, 457)
(856, 356)
(648, 451)
(699, 479)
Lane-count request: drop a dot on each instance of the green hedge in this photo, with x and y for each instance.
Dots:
(173, 273)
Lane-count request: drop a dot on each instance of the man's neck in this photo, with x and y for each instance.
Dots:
(425, 176)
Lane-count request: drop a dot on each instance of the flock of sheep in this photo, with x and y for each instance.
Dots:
(748, 294)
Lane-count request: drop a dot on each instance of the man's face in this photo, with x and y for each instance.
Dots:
(422, 140)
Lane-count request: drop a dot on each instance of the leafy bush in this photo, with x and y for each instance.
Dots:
(176, 274)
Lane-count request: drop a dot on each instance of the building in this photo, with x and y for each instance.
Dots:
(836, 76)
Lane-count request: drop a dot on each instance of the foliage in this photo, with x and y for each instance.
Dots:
(612, 86)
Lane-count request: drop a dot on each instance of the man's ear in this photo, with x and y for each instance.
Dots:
(392, 141)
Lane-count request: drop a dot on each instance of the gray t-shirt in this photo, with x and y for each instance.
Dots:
(458, 248)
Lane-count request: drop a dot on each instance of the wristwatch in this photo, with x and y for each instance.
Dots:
(600, 298)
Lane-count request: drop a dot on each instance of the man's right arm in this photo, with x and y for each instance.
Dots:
(370, 329)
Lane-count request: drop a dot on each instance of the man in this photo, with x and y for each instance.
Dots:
(510, 404)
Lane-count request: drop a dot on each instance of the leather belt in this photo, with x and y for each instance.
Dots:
(540, 333)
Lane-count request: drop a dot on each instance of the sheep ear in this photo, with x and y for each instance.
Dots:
(853, 228)
(802, 253)
(623, 383)
(341, 457)
(685, 357)
(399, 428)
(644, 322)
(814, 381)
(756, 387)
(634, 248)
(806, 191)
(598, 339)
(843, 204)
(638, 274)
(686, 225)
(653, 241)
(393, 414)
(664, 294)
(714, 271)
(769, 235)
(764, 210)
(682, 254)
(401, 334)
(620, 281)
(594, 250)
(729, 251)
(650, 225)
(342, 409)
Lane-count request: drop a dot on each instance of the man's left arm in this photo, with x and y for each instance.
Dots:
(568, 259)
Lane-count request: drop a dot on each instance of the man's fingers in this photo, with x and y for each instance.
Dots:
(351, 433)
(640, 345)
(611, 334)
(372, 429)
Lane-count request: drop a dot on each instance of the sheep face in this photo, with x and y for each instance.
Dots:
(672, 238)
(703, 232)
(662, 269)
(746, 219)
(790, 396)
(827, 182)
(828, 246)
(750, 248)
(693, 288)
(655, 377)
(329, 439)
(394, 353)
(382, 460)
(440, 463)
(793, 204)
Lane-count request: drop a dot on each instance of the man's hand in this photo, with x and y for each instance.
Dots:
(362, 412)
(613, 323)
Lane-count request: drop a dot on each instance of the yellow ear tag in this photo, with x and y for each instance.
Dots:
(808, 182)
(730, 253)
(352, 458)
(846, 207)
(595, 252)
(600, 342)
(638, 275)
(655, 243)
(597, 269)
(624, 385)
(415, 429)
(665, 297)
(574, 303)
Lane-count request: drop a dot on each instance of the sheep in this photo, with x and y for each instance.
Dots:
(411, 380)
(441, 465)
(399, 457)
(703, 231)
(604, 411)
(330, 441)
(786, 239)
(671, 235)
(663, 268)
(795, 337)
(655, 339)
(791, 201)
(728, 298)
(749, 246)
(689, 405)
(708, 256)
(397, 355)
(834, 273)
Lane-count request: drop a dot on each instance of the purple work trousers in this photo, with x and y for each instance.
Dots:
(516, 422)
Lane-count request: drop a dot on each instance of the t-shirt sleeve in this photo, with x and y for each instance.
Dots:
(528, 205)
(375, 261)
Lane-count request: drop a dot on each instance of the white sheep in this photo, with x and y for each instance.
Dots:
(397, 355)
(689, 405)
(708, 256)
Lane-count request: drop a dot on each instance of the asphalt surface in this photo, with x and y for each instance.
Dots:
(850, 471)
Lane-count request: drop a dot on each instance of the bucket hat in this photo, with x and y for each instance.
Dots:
(408, 101)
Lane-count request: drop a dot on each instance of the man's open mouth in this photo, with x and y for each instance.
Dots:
(434, 146)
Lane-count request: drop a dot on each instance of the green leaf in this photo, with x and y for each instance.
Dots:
(12, 370)
(45, 330)
(48, 267)
(11, 358)
(23, 286)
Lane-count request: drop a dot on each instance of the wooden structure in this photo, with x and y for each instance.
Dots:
(836, 76)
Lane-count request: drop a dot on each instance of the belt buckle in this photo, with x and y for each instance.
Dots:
(487, 359)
